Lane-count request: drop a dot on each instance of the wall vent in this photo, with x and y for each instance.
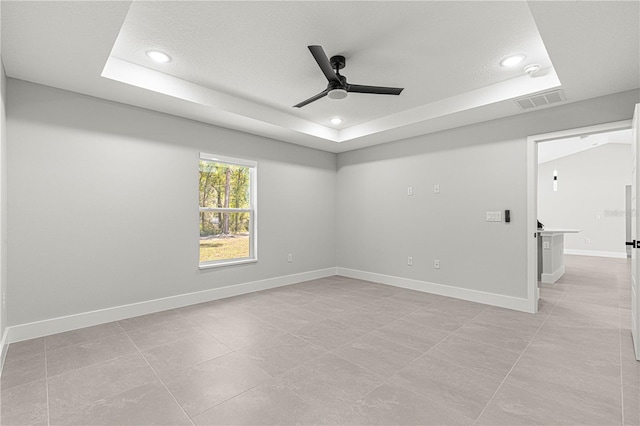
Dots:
(540, 99)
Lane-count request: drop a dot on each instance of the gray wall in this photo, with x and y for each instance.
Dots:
(590, 196)
(103, 204)
(479, 168)
(3, 201)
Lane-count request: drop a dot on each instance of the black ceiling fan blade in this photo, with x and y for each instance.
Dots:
(312, 99)
(378, 90)
(323, 63)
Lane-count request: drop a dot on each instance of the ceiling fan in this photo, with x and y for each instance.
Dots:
(338, 86)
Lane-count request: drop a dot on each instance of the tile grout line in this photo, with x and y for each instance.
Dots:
(568, 295)
(434, 347)
(159, 379)
(229, 399)
(46, 381)
(401, 344)
(195, 365)
(386, 380)
(106, 336)
(92, 365)
(622, 416)
(454, 332)
(178, 339)
(367, 333)
(517, 361)
(25, 383)
(271, 376)
(95, 363)
(471, 339)
(302, 365)
(231, 351)
(194, 322)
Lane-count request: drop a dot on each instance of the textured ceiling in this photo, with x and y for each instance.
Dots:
(242, 65)
(258, 51)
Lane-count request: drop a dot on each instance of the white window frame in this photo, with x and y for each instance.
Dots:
(252, 210)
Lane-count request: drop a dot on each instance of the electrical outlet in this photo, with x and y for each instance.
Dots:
(289, 258)
(587, 240)
(4, 299)
(436, 189)
(545, 244)
(436, 264)
(410, 261)
(410, 190)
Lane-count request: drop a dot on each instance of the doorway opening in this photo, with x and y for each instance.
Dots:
(578, 242)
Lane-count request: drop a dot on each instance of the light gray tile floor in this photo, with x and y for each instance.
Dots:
(344, 351)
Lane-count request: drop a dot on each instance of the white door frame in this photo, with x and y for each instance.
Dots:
(532, 196)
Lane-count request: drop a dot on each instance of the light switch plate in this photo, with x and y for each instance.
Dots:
(494, 216)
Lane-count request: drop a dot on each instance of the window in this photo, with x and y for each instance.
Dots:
(227, 211)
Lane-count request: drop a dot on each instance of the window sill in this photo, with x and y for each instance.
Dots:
(226, 263)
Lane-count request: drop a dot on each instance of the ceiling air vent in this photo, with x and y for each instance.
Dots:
(540, 99)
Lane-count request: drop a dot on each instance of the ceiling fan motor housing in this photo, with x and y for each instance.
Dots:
(337, 62)
(338, 91)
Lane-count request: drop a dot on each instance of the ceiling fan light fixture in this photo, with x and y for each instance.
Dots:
(337, 94)
(336, 120)
(512, 61)
(158, 56)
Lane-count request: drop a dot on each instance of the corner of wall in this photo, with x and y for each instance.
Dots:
(3, 215)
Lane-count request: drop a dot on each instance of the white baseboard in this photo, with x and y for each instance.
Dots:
(51, 326)
(596, 253)
(4, 347)
(493, 299)
(552, 278)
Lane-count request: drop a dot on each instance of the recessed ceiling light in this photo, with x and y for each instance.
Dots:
(158, 56)
(512, 61)
(336, 120)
